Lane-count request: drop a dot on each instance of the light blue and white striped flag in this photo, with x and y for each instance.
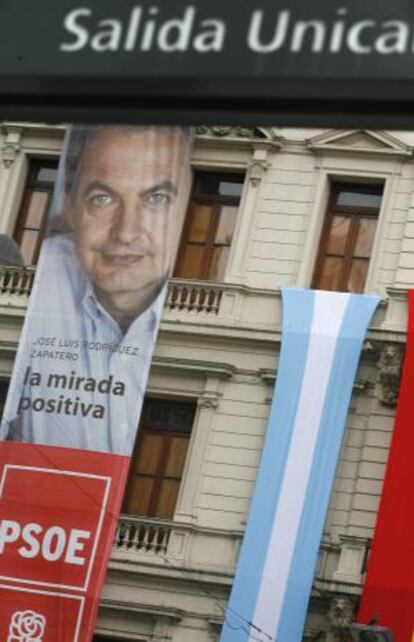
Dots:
(321, 344)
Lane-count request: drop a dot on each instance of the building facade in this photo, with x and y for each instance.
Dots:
(266, 208)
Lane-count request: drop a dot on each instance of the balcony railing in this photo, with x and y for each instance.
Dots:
(194, 297)
(15, 284)
(142, 536)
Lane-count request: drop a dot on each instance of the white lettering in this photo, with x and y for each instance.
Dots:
(34, 547)
(73, 27)
(132, 33)
(354, 35)
(145, 30)
(279, 37)
(57, 533)
(396, 41)
(299, 33)
(337, 34)
(75, 545)
(51, 544)
(109, 38)
(174, 35)
(213, 38)
(9, 532)
(149, 30)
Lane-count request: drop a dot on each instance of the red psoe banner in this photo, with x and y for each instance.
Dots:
(58, 514)
(388, 594)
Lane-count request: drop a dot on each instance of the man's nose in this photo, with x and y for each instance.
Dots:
(130, 222)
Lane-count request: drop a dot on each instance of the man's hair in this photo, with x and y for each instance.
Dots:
(81, 135)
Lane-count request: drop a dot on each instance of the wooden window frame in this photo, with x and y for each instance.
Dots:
(197, 197)
(158, 477)
(355, 213)
(32, 185)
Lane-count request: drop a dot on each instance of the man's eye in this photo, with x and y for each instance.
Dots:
(159, 198)
(101, 200)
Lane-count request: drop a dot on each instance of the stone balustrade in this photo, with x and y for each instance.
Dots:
(15, 285)
(142, 535)
(194, 297)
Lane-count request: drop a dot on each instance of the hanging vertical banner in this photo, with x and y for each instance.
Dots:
(388, 593)
(77, 387)
(321, 344)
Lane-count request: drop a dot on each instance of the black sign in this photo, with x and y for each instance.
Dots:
(216, 57)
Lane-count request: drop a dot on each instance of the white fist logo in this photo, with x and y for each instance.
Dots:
(26, 626)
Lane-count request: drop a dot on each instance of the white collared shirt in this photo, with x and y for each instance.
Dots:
(67, 333)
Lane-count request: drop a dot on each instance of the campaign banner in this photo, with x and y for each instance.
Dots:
(321, 343)
(77, 387)
(388, 593)
(58, 510)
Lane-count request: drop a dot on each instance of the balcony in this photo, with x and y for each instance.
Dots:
(203, 307)
(186, 551)
(176, 547)
(184, 296)
(196, 303)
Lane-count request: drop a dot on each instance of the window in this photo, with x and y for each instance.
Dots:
(36, 201)
(160, 453)
(209, 227)
(347, 237)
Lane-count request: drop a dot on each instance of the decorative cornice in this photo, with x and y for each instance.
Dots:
(35, 127)
(221, 370)
(268, 376)
(355, 540)
(224, 131)
(398, 293)
(173, 615)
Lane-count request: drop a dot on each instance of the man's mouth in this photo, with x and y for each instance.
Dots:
(122, 260)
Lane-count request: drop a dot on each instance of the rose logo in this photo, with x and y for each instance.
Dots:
(26, 626)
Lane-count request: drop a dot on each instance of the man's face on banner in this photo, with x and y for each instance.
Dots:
(122, 211)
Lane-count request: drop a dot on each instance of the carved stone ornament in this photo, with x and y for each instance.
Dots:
(246, 132)
(390, 364)
(229, 132)
(9, 155)
(11, 145)
(340, 617)
(208, 400)
(256, 172)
